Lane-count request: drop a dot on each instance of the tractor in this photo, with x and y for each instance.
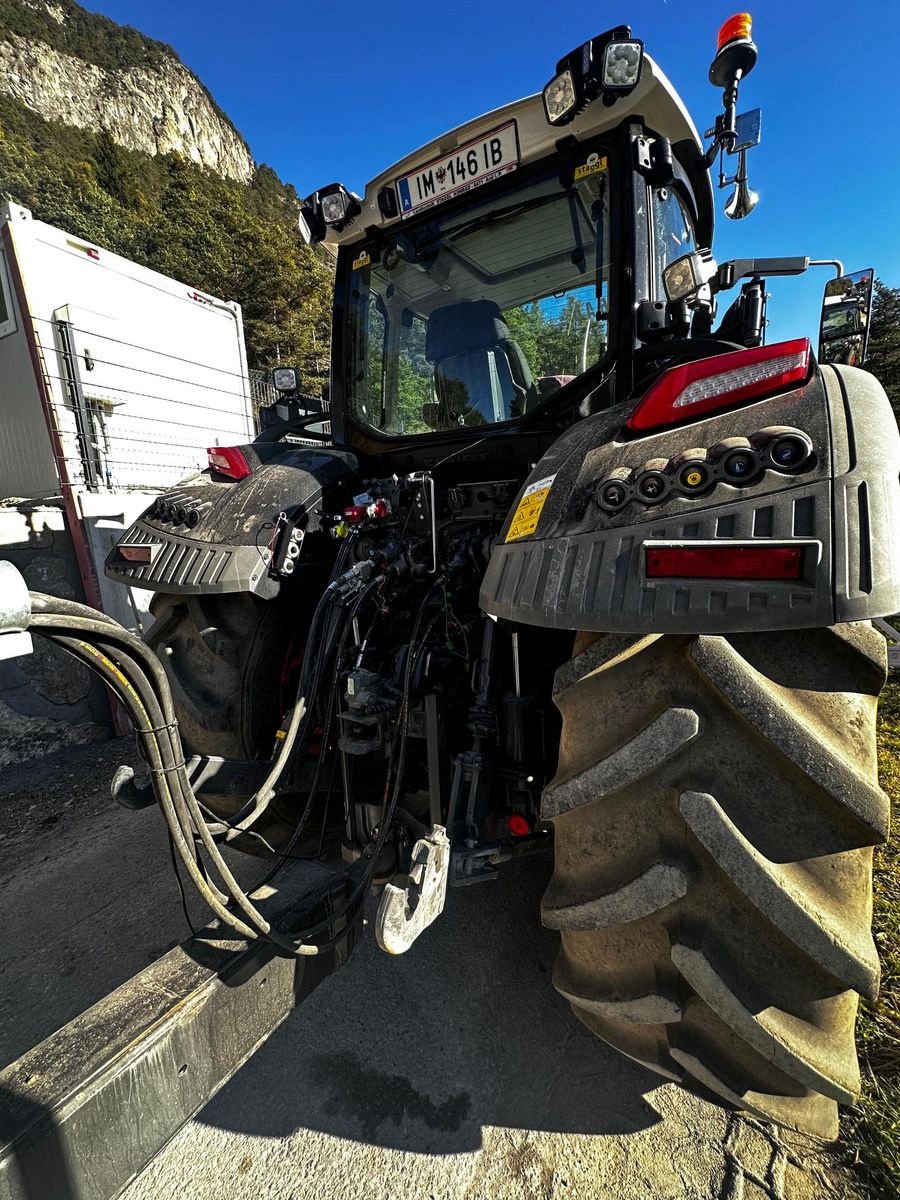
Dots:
(570, 562)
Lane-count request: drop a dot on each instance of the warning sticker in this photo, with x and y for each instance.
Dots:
(525, 518)
(594, 165)
(363, 261)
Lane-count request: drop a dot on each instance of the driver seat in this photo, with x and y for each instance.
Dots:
(481, 375)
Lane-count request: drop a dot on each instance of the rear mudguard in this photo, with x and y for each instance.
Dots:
(227, 549)
(563, 562)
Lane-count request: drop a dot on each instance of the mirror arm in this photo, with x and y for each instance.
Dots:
(829, 262)
(740, 268)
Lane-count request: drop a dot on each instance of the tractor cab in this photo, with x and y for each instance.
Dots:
(495, 274)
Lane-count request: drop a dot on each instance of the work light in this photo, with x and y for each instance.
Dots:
(622, 65)
(334, 207)
(285, 379)
(560, 97)
(607, 66)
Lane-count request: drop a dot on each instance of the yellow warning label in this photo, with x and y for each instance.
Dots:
(594, 165)
(525, 518)
(363, 260)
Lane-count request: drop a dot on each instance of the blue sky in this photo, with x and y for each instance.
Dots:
(338, 91)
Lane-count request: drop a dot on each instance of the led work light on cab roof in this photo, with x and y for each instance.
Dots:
(606, 67)
(331, 207)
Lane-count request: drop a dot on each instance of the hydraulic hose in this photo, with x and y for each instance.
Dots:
(329, 712)
(170, 781)
(146, 717)
(136, 677)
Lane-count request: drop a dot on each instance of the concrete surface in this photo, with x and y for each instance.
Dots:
(452, 1072)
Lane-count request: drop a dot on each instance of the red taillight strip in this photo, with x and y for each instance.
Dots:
(723, 562)
(684, 393)
(229, 461)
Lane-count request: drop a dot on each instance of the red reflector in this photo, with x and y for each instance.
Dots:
(354, 514)
(137, 552)
(519, 825)
(228, 460)
(684, 393)
(723, 562)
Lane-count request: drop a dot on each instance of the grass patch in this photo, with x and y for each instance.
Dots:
(871, 1132)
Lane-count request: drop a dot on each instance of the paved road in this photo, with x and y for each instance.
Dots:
(453, 1072)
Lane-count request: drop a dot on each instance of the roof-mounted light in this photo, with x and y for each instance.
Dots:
(560, 97)
(331, 207)
(740, 26)
(607, 66)
(736, 52)
(622, 65)
(334, 207)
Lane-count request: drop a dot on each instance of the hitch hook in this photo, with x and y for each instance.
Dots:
(405, 912)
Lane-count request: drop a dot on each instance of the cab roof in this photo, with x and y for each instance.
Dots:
(654, 100)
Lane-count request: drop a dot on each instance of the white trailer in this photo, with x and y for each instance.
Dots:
(114, 380)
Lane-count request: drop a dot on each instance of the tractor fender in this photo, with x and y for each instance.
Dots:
(564, 561)
(212, 535)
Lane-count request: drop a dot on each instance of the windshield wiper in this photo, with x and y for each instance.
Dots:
(496, 213)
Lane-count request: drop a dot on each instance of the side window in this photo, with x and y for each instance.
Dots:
(7, 314)
(673, 234)
(367, 334)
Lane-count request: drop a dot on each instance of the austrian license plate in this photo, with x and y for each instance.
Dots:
(467, 167)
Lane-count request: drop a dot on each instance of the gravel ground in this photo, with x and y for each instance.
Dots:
(452, 1072)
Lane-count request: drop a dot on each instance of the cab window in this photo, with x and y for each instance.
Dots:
(673, 233)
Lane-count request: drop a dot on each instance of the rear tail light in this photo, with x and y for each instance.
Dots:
(723, 562)
(684, 393)
(228, 460)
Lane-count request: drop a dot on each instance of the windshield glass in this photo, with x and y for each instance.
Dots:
(477, 317)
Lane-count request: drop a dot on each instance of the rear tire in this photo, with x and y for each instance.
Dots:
(223, 656)
(715, 807)
(226, 659)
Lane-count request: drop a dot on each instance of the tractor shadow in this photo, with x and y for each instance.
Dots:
(420, 1052)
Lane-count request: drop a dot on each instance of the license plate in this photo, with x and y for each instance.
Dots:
(467, 167)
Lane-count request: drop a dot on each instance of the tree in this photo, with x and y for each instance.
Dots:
(230, 239)
(884, 342)
(112, 169)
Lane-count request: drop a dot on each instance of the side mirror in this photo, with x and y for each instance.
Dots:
(846, 309)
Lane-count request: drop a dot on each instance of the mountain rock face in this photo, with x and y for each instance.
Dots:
(155, 108)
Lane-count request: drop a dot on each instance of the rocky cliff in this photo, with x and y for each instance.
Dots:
(156, 105)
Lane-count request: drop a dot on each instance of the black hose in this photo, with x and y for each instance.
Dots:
(329, 711)
(390, 796)
(297, 732)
